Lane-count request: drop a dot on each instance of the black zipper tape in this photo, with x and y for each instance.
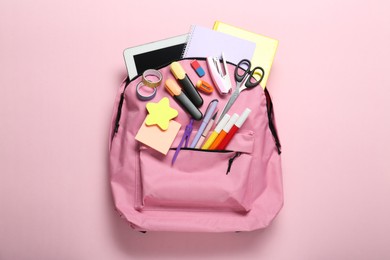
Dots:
(202, 150)
(271, 122)
(230, 162)
(119, 112)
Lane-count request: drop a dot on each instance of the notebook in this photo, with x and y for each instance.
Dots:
(265, 47)
(205, 42)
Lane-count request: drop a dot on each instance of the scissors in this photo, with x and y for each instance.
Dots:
(184, 139)
(244, 81)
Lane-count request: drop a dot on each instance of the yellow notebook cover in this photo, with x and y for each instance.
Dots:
(265, 47)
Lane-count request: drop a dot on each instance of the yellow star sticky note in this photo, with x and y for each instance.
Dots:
(160, 113)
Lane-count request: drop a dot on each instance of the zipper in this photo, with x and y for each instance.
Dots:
(119, 113)
(231, 159)
(202, 150)
(271, 121)
(230, 163)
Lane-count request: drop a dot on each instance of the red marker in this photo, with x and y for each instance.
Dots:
(240, 121)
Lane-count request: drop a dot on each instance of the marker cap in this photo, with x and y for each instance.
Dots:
(172, 87)
(177, 70)
(231, 122)
(222, 123)
(243, 117)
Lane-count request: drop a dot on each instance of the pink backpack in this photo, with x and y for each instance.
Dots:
(196, 193)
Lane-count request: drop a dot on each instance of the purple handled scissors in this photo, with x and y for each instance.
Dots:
(185, 139)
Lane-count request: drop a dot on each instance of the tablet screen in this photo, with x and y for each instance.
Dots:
(157, 58)
(153, 54)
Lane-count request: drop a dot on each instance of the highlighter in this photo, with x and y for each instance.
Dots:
(216, 131)
(224, 131)
(185, 82)
(174, 89)
(240, 121)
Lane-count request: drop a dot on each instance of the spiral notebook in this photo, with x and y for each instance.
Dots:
(265, 46)
(205, 42)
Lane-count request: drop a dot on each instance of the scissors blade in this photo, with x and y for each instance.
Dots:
(229, 104)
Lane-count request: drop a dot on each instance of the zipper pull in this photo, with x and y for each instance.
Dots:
(231, 161)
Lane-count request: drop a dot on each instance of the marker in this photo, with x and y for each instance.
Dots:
(206, 131)
(240, 121)
(187, 85)
(208, 114)
(224, 131)
(174, 89)
(216, 131)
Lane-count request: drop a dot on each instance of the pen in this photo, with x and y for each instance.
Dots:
(216, 131)
(182, 99)
(208, 114)
(188, 87)
(240, 121)
(206, 131)
(224, 131)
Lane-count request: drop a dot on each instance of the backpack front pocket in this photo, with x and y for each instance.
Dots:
(199, 179)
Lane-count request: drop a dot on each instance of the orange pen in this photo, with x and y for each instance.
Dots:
(224, 131)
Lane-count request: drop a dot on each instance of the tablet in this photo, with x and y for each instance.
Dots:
(154, 54)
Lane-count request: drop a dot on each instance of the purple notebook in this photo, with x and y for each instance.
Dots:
(204, 42)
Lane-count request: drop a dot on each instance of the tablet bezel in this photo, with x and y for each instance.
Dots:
(129, 53)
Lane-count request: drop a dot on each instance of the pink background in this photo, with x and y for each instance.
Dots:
(61, 64)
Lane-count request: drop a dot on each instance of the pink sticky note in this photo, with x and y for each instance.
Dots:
(156, 138)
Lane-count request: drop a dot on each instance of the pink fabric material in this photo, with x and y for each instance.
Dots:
(196, 194)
